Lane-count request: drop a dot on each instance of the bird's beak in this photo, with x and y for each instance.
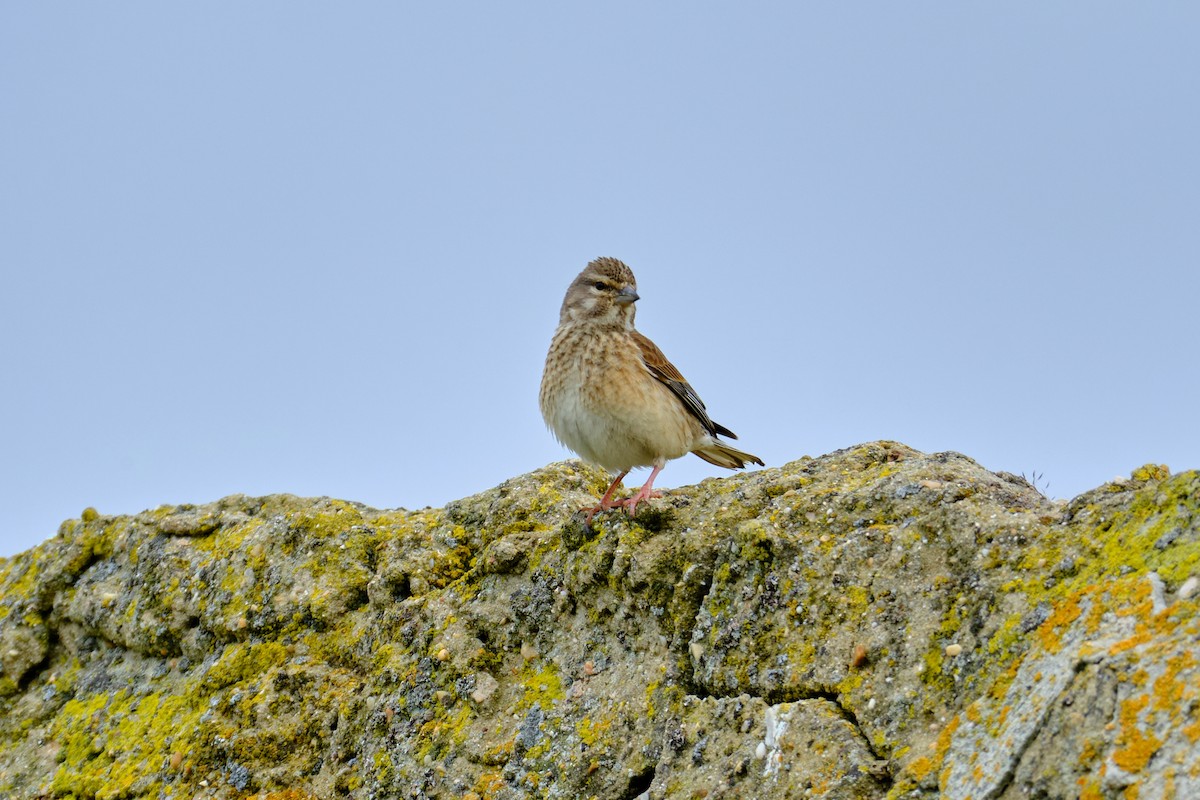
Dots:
(627, 295)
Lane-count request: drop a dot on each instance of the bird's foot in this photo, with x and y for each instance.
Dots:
(642, 496)
(606, 504)
(607, 501)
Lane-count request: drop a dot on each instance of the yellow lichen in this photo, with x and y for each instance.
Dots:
(920, 767)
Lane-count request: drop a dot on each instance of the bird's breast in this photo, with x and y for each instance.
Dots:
(602, 402)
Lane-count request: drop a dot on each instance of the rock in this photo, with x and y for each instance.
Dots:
(876, 622)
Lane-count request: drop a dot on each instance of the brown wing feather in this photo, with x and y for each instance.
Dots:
(666, 372)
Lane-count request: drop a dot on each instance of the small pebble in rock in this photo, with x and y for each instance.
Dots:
(953, 649)
(859, 658)
(485, 687)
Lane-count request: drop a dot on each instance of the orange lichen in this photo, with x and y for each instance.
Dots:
(1063, 615)
(1137, 747)
(489, 784)
(943, 744)
(1168, 689)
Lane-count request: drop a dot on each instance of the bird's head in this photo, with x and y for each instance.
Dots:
(604, 292)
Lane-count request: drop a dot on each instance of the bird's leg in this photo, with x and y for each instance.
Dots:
(645, 493)
(606, 502)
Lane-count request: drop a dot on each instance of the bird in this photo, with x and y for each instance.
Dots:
(611, 396)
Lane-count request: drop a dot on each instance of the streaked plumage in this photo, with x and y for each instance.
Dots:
(609, 394)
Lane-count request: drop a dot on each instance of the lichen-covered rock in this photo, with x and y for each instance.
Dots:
(874, 623)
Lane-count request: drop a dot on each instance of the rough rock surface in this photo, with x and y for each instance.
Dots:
(877, 622)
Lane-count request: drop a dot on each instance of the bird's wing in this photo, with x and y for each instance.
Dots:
(666, 372)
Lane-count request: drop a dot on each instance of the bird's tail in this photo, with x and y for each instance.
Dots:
(723, 455)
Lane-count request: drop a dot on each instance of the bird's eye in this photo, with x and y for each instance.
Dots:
(601, 285)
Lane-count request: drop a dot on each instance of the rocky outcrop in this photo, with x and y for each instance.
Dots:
(877, 622)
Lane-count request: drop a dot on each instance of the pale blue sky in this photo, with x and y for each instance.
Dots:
(320, 248)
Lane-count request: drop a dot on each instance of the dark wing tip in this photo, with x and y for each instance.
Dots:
(721, 430)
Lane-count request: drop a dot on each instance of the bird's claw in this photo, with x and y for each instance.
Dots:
(629, 505)
(632, 503)
(605, 505)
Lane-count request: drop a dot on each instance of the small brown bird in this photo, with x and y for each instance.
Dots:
(609, 393)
